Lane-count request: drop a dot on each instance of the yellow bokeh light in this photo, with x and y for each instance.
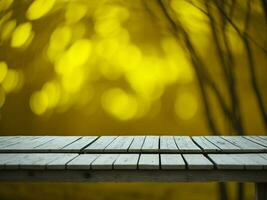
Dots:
(2, 97)
(39, 8)
(3, 71)
(147, 80)
(186, 105)
(7, 29)
(77, 55)
(12, 81)
(5, 4)
(52, 91)
(59, 40)
(107, 27)
(72, 82)
(112, 12)
(39, 102)
(119, 104)
(21, 35)
(75, 12)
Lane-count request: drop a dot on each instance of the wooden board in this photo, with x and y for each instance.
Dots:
(57, 144)
(100, 144)
(27, 145)
(149, 161)
(167, 144)
(82, 162)
(61, 162)
(205, 144)
(185, 144)
(257, 140)
(151, 144)
(137, 144)
(224, 161)
(126, 161)
(120, 144)
(80, 144)
(245, 144)
(197, 161)
(104, 161)
(223, 144)
(172, 161)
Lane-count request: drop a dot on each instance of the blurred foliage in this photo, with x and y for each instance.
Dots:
(125, 67)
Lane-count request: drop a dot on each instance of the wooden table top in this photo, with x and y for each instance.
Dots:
(134, 158)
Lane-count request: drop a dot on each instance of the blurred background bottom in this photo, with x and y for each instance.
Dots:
(120, 191)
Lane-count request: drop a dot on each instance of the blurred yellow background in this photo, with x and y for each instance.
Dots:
(99, 67)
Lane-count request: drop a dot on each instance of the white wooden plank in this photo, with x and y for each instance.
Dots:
(27, 145)
(244, 144)
(151, 144)
(104, 161)
(206, 145)
(250, 161)
(126, 161)
(263, 137)
(172, 161)
(82, 162)
(137, 144)
(197, 161)
(57, 143)
(60, 163)
(149, 161)
(80, 144)
(224, 161)
(3, 139)
(167, 144)
(224, 145)
(31, 161)
(120, 144)
(263, 155)
(16, 140)
(4, 158)
(257, 140)
(185, 144)
(100, 144)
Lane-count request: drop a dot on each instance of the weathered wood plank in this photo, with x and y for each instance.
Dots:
(27, 145)
(205, 144)
(104, 161)
(151, 144)
(31, 161)
(185, 144)
(82, 162)
(137, 144)
(149, 161)
(224, 161)
(80, 144)
(250, 161)
(167, 144)
(15, 140)
(61, 162)
(197, 161)
(57, 143)
(263, 137)
(126, 161)
(120, 144)
(100, 144)
(257, 140)
(172, 161)
(244, 144)
(5, 157)
(224, 145)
